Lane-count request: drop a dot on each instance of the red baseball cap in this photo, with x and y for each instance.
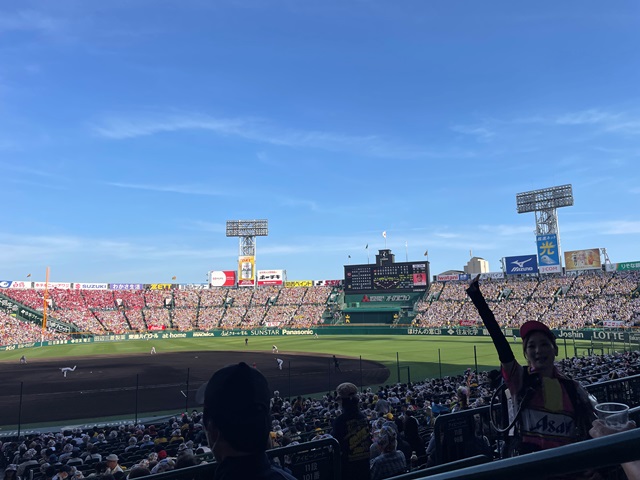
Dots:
(535, 326)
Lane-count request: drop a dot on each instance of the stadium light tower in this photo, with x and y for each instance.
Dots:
(247, 231)
(544, 203)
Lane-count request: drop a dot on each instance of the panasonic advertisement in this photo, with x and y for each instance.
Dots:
(521, 265)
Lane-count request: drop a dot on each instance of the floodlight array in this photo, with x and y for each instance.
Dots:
(247, 228)
(545, 199)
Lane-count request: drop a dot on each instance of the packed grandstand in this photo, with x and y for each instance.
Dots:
(586, 300)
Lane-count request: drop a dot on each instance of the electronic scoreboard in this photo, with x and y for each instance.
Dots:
(386, 276)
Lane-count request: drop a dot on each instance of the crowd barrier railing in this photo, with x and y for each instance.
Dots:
(316, 460)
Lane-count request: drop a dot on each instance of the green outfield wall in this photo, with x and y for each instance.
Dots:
(596, 335)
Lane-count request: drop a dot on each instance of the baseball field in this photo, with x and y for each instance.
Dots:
(124, 380)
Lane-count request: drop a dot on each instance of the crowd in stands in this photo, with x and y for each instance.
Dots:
(575, 301)
(209, 317)
(113, 453)
(14, 331)
(572, 301)
(409, 409)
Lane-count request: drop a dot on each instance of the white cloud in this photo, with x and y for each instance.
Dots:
(608, 227)
(446, 235)
(182, 189)
(263, 131)
(49, 185)
(248, 128)
(619, 122)
(631, 127)
(203, 226)
(300, 202)
(586, 117)
(29, 250)
(29, 20)
(118, 128)
(620, 227)
(507, 230)
(482, 133)
(38, 172)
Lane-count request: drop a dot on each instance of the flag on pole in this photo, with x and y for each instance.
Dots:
(426, 253)
(384, 234)
(28, 275)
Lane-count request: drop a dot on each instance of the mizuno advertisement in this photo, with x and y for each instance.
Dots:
(520, 265)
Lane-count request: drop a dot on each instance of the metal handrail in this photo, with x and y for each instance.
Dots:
(611, 450)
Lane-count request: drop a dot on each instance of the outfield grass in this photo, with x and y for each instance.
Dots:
(426, 356)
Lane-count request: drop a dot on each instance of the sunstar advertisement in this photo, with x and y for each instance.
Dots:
(246, 270)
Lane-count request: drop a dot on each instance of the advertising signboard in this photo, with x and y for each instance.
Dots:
(298, 283)
(521, 264)
(246, 270)
(626, 266)
(548, 253)
(126, 286)
(222, 278)
(14, 284)
(448, 278)
(91, 286)
(51, 285)
(328, 283)
(491, 275)
(271, 277)
(583, 259)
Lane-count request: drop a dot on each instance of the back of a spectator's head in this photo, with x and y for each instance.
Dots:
(236, 402)
(138, 471)
(387, 439)
(348, 394)
(187, 460)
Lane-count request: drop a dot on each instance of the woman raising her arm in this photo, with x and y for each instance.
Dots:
(552, 409)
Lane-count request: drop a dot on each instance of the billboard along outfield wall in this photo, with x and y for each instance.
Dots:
(597, 335)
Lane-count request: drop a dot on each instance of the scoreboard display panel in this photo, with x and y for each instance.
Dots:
(395, 277)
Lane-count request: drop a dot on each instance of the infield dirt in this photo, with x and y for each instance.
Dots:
(142, 383)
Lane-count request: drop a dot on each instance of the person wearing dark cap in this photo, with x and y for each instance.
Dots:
(237, 423)
(63, 472)
(351, 429)
(10, 472)
(550, 409)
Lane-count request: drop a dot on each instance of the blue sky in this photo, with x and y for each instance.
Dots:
(131, 131)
